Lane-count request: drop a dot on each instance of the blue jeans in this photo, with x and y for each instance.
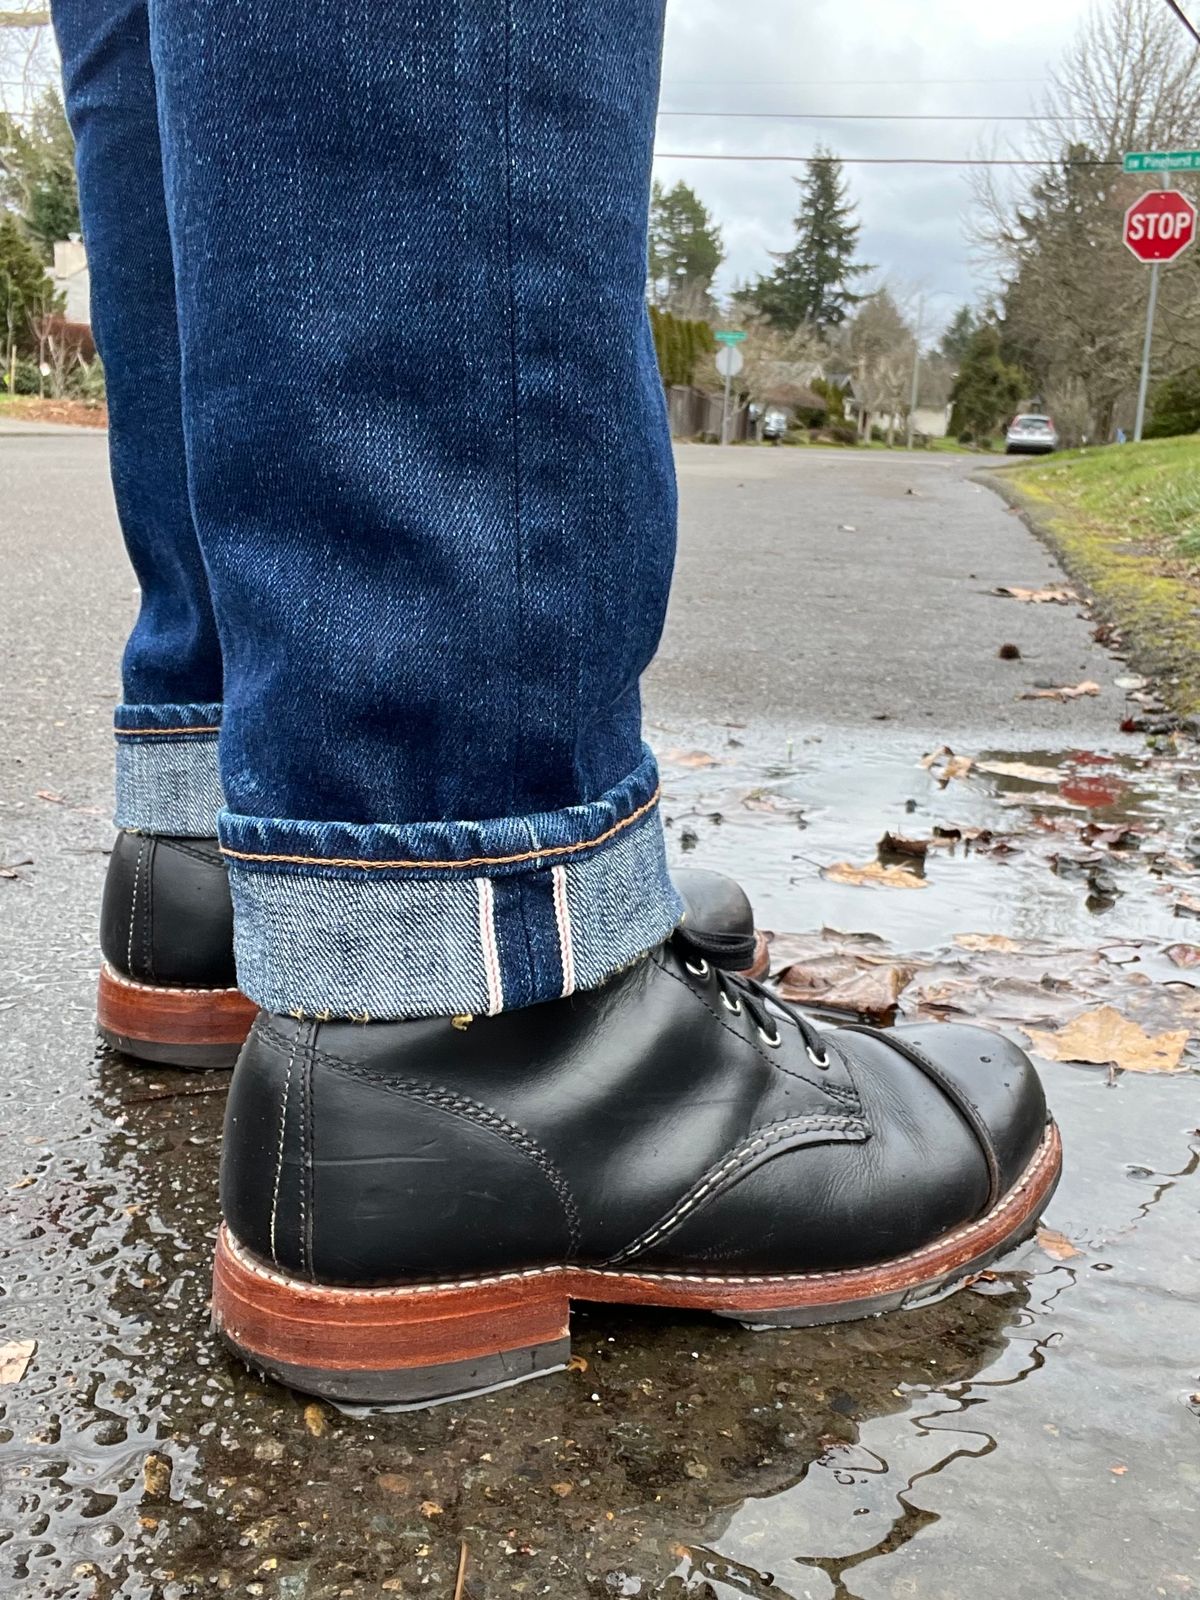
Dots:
(369, 289)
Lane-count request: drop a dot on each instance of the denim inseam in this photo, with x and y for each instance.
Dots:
(428, 468)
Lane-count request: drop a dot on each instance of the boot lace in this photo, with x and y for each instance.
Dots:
(719, 955)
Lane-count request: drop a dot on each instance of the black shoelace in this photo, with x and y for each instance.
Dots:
(720, 955)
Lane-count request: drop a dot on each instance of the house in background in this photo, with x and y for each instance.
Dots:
(72, 280)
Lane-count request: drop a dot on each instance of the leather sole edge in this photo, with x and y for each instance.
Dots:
(201, 1029)
(419, 1344)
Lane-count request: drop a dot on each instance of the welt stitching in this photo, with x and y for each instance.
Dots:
(458, 1105)
(847, 1096)
(472, 861)
(773, 1133)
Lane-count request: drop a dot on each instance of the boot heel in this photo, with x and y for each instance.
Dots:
(410, 1346)
(197, 1028)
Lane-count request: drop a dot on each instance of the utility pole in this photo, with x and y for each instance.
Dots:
(916, 374)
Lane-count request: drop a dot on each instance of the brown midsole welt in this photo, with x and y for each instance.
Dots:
(287, 1321)
(166, 1015)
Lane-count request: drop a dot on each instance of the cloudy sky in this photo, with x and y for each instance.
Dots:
(836, 57)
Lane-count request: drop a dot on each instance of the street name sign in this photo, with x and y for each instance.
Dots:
(729, 335)
(1163, 161)
(1160, 226)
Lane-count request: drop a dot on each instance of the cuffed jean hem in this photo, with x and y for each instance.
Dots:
(447, 918)
(167, 777)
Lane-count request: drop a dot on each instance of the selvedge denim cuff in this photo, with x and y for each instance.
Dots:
(167, 778)
(447, 918)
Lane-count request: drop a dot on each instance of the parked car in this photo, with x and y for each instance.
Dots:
(1030, 434)
(774, 425)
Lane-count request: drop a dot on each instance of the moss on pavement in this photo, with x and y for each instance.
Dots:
(1125, 523)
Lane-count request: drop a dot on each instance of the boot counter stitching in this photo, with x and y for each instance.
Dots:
(763, 1138)
(455, 1105)
(287, 1089)
(137, 874)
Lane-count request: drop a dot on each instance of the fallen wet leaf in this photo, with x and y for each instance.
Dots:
(690, 758)
(943, 765)
(577, 1364)
(895, 844)
(985, 941)
(1104, 1037)
(847, 983)
(156, 1477)
(1025, 770)
(1059, 596)
(1187, 905)
(50, 796)
(314, 1420)
(15, 1356)
(1183, 955)
(1056, 1244)
(393, 1483)
(1062, 692)
(767, 800)
(431, 1508)
(872, 874)
(11, 869)
(562, 1490)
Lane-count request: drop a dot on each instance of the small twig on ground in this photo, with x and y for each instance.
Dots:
(462, 1570)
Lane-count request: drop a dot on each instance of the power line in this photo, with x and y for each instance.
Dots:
(884, 161)
(868, 116)
(1185, 19)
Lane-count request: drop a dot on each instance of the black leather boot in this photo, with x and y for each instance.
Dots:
(410, 1207)
(168, 990)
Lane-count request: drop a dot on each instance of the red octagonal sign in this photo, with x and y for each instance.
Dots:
(1160, 225)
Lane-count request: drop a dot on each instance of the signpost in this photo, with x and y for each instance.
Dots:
(729, 363)
(1159, 227)
(1163, 161)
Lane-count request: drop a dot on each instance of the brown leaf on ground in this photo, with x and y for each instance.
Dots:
(1183, 955)
(985, 941)
(156, 1477)
(895, 844)
(943, 765)
(1187, 905)
(314, 1419)
(49, 796)
(11, 869)
(690, 758)
(15, 1356)
(431, 1508)
(1043, 802)
(848, 983)
(1059, 596)
(1056, 1244)
(872, 874)
(1066, 692)
(1104, 1037)
(1024, 770)
(952, 833)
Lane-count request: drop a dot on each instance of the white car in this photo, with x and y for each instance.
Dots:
(1030, 434)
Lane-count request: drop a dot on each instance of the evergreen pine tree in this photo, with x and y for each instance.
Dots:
(812, 282)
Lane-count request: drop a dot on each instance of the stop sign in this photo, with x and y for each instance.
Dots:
(1160, 225)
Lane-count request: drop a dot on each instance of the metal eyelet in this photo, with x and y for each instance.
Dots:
(821, 1060)
(702, 971)
(774, 1041)
(731, 1005)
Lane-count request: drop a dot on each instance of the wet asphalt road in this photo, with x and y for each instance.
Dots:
(1036, 1435)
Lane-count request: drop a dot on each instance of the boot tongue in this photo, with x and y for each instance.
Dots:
(732, 952)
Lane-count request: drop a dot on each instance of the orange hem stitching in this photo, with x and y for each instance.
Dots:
(475, 861)
(216, 728)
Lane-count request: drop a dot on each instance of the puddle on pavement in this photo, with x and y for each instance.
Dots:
(1034, 1434)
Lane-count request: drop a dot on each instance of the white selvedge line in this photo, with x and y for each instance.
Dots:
(449, 1284)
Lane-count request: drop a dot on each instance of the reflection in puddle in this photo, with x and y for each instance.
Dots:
(1019, 1438)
